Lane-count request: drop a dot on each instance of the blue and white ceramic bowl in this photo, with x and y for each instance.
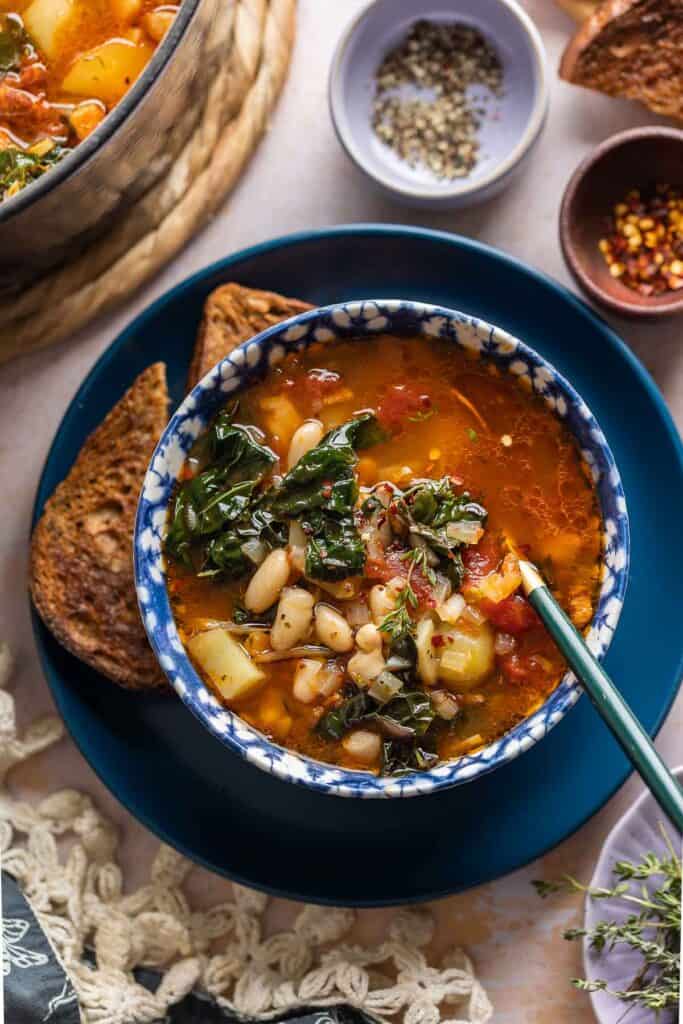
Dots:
(362, 320)
(506, 138)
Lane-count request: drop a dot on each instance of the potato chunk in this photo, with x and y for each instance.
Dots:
(44, 19)
(127, 10)
(467, 658)
(227, 665)
(107, 72)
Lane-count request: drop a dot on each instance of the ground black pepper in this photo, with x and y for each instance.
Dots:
(438, 131)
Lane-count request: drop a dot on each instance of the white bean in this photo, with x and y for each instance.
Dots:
(364, 666)
(306, 675)
(362, 745)
(369, 637)
(332, 628)
(307, 436)
(293, 618)
(267, 582)
(427, 662)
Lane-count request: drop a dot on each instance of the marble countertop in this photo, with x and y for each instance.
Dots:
(516, 943)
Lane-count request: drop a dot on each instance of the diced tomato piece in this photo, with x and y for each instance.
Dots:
(400, 402)
(513, 615)
(391, 565)
(522, 668)
(482, 558)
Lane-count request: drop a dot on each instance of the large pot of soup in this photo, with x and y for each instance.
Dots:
(97, 98)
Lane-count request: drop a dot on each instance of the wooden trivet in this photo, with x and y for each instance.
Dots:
(236, 115)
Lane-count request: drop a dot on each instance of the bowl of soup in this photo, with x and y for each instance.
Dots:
(97, 99)
(327, 547)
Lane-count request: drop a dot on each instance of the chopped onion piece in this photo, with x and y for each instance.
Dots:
(472, 614)
(445, 705)
(357, 613)
(386, 686)
(451, 610)
(467, 531)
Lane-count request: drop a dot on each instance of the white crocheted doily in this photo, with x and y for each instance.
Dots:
(63, 854)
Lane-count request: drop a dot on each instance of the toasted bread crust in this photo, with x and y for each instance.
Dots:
(81, 572)
(233, 314)
(632, 49)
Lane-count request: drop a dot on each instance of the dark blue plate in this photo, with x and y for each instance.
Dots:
(235, 819)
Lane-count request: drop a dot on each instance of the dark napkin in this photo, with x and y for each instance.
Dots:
(37, 990)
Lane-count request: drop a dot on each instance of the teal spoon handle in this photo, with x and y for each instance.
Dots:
(606, 698)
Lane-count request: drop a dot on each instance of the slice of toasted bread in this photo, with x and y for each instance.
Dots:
(81, 574)
(233, 314)
(633, 49)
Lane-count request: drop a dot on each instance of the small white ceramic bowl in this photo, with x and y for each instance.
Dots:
(506, 138)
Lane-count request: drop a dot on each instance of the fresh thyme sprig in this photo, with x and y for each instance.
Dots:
(653, 930)
(398, 622)
(419, 558)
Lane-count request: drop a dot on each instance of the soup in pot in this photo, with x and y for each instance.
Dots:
(64, 65)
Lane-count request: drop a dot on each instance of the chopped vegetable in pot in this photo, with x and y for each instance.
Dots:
(342, 553)
(63, 65)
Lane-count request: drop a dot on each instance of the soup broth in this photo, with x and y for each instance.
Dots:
(436, 651)
(64, 65)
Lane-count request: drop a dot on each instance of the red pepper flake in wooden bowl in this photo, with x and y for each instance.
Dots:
(644, 244)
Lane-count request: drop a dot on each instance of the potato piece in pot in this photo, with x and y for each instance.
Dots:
(107, 72)
(44, 20)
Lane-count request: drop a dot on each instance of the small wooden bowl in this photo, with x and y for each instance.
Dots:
(640, 158)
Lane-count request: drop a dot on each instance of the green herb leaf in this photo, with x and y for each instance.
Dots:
(337, 722)
(215, 512)
(653, 930)
(321, 492)
(13, 39)
(21, 168)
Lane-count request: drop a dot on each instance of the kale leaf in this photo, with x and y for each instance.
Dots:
(19, 168)
(214, 513)
(337, 722)
(13, 39)
(321, 492)
(429, 506)
(404, 721)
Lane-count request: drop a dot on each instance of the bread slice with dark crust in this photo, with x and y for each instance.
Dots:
(81, 573)
(233, 314)
(633, 49)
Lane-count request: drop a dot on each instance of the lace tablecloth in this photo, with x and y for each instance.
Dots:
(514, 941)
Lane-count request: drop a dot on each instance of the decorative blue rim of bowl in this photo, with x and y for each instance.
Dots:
(361, 320)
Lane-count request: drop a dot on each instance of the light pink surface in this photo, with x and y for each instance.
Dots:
(515, 940)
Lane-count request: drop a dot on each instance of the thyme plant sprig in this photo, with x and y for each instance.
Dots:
(653, 930)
